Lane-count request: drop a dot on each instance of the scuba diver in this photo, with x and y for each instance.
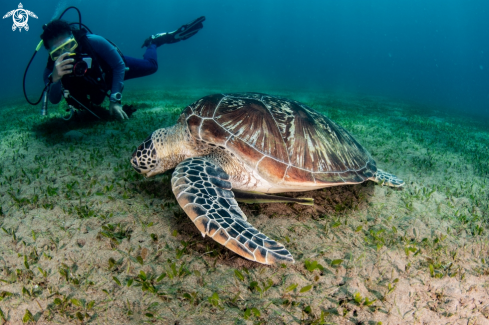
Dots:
(84, 68)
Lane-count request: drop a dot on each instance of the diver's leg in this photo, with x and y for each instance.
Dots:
(142, 67)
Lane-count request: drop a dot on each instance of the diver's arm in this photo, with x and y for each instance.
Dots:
(109, 54)
(55, 88)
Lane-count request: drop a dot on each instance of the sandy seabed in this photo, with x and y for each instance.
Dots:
(84, 239)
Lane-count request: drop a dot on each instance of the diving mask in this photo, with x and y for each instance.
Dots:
(68, 46)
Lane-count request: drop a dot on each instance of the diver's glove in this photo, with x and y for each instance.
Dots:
(184, 32)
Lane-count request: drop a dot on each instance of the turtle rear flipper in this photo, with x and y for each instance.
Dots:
(386, 179)
(203, 191)
(258, 197)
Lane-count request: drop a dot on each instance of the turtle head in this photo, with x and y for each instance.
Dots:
(161, 151)
(144, 158)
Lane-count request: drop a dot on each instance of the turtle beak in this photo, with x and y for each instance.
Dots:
(134, 162)
(143, 159)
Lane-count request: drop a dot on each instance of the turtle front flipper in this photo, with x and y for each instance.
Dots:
(386, 179)
(203, 191)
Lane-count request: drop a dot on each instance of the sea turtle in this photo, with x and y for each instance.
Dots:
(241, 147)
(20, 17)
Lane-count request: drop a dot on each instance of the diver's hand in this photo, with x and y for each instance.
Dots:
(62, 67)
(116, 109)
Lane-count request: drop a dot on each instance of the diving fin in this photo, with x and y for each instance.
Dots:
(184, 32)
(258, 197)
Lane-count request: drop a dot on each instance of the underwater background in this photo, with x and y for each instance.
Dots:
(433, 53)
(85, 239)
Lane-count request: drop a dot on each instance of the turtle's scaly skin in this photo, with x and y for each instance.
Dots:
(203, 191)
(251, 142)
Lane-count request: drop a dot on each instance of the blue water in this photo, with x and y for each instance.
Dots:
(433, 53)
